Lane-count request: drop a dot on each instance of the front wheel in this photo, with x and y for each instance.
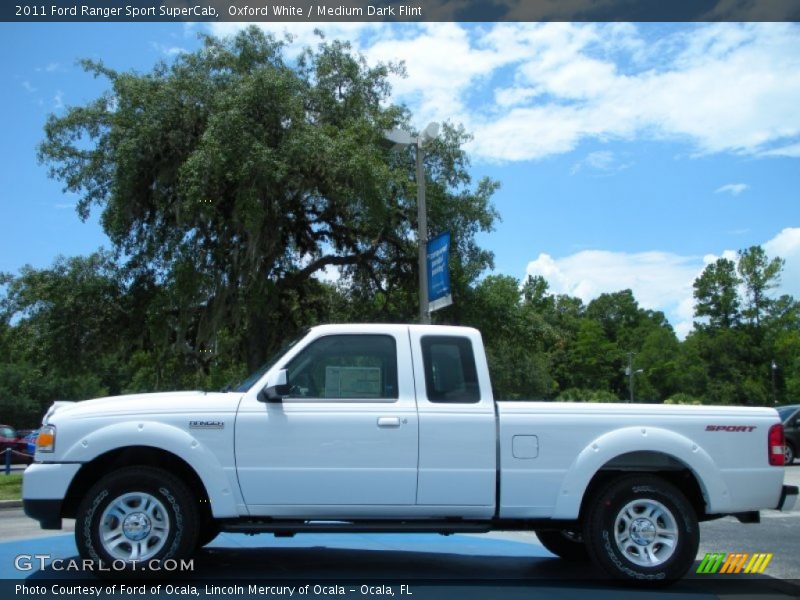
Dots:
(135, 518)
(564, 543)
(642, 528)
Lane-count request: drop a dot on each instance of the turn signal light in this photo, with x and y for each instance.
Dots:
(46, 440)
(775, 443)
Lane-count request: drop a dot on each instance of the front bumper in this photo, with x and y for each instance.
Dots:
(47, 512)
(44, 487)
(788, 498)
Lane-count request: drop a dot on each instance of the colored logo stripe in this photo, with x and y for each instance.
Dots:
(736, 562)
(711, 562)
(758, 563)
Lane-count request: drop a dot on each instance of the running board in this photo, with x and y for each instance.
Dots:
(288, 528)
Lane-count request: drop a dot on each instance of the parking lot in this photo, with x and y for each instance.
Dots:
(463, 566)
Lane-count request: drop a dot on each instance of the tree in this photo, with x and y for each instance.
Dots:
(616, 312)
(515, 337)
(716, 294)
(592, 359)
(67, 312)
(759, 275)
(68, 335)
(536, 292)
(645, 333)
(230, 179)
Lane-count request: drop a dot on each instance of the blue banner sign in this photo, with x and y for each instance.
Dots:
(439, 294)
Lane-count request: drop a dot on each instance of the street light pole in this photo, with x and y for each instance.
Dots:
(403, 138)
(774, 386)
(630, 373)
(422, 220)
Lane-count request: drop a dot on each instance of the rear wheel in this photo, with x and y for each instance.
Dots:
(564, 543)
(642, 528)
(788, 453)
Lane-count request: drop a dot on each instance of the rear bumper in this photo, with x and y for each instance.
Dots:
(788, 498)
(47, 512)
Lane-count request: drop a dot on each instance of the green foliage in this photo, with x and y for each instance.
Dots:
(11, 486)
(716, 296)
(515, 335)
(682, 398)
(586, 395)
(759, 275)
(733, 351)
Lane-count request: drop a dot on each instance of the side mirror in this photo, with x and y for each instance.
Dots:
(276, 388)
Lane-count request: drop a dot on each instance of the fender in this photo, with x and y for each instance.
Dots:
(635, 439)
(223, 494)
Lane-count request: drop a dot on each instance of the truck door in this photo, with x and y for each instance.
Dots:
(346, 435)
(457, 431)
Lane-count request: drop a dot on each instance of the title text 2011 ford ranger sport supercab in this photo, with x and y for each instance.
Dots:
(391, 428)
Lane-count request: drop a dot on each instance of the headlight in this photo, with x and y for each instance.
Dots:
(46, 440)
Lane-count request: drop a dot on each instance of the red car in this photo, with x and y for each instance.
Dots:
(10, 439)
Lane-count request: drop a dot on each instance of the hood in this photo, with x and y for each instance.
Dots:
(158, 403)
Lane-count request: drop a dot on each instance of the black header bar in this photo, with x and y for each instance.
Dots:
(379, 11)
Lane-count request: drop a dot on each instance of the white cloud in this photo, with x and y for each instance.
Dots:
(724, 88)
(28, 87)
(603, 161)
(659, 280)
(734, 189)
(49, 68)
(531, 90)
(58, 100)
(330, 274)
(787, 245)
(168, 50)
(303, 34)
(791, 151)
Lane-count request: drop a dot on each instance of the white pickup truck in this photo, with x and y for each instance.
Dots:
(393, 428)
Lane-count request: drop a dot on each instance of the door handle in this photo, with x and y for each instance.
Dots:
(388, 421)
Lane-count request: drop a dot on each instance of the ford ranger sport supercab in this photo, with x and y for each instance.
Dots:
(393, 428)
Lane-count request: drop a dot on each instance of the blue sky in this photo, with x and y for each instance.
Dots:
(629, 155)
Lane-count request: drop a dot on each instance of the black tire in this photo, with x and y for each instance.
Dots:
(789, 453)
(642, 528)
(564, 543)
(133, 517)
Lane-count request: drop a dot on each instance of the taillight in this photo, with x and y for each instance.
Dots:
(775, 443)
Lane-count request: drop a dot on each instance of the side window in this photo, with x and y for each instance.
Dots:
(346, 367)
(450, 373)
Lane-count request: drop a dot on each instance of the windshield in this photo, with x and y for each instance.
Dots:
(786, 412)
(259, 373)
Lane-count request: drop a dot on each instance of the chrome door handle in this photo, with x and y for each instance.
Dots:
(388, 421)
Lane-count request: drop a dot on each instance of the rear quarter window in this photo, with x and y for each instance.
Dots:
(450, 372)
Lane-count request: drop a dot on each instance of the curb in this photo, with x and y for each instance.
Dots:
(10, 504)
